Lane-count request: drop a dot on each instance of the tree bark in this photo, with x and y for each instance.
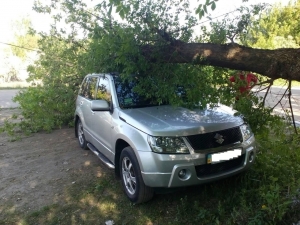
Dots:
(279, 63)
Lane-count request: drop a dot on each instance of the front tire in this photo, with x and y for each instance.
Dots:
(80, 135)
(132, 180)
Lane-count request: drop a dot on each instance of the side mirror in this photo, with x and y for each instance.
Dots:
(100, 105)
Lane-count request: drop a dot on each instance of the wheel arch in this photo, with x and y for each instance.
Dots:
(75, 123)
(120, 145)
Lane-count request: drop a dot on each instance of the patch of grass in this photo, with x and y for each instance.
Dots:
(14, 85)
(282, 82)
(266, 194)
(13, 88)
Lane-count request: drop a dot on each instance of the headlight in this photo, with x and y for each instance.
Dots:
(246, 132)
(168, 145)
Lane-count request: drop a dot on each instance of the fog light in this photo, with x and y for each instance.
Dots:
(182, 173)
(251, 157)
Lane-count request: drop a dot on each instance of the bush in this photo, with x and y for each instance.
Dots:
(42, 109)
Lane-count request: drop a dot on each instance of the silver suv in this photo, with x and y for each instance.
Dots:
(153, 145)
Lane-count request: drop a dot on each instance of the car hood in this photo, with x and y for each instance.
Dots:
(168, 120)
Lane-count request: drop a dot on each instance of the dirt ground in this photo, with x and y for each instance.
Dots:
(35, 171)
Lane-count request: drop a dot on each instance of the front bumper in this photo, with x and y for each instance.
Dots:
(161, 170)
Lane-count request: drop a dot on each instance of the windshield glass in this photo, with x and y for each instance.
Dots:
(128, 98)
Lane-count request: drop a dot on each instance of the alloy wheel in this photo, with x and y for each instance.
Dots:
(129, 177)
(80, 133)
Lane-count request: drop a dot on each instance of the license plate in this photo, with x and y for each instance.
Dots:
(223, 156)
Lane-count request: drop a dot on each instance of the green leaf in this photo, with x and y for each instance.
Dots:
(119, 8)
(115, 2)
(201, 14)
(205, 9)
(109, 11)
(198, 10)
(122, 14)
(126, 10)
(98, 6)
(213, 6)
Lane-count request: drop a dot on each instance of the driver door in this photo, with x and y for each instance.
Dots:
(101, 126)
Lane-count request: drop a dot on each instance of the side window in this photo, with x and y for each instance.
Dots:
(92, 88)
(83, 88)
(103, 90)
(88, 88)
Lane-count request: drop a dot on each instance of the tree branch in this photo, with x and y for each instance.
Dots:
(280, 100)
(266, 82)
(278, 63)
(270, 82)
(260, 90)
(291, 107)
(268, 89)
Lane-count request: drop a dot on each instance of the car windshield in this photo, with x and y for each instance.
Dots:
(128, 98)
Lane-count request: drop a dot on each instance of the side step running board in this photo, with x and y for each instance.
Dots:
(101, 156)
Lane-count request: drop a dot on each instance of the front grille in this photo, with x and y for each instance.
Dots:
(212, 169)
(210, 140)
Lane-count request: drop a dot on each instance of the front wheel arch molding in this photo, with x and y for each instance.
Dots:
(120, 145)
(123, 141)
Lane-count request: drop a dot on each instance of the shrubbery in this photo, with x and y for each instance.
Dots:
(264, 195)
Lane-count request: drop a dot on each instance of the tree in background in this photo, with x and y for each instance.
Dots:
(154, 41)
(155, 44)
(278, 27)
(20, 53)
(25, 40)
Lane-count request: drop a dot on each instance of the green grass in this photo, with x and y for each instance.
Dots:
(14, 85)
(263, 195)
(13, 88)
(282, 82)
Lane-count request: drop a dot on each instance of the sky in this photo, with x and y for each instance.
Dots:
(12, 10)
(15, 10)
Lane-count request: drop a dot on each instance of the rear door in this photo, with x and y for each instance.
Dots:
(86, 95)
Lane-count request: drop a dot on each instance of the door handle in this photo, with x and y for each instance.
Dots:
(81, 103)
(92, 112)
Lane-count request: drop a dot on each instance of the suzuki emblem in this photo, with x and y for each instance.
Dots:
(219, 138)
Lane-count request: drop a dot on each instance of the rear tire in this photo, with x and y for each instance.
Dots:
(80, 135)
(132, 180)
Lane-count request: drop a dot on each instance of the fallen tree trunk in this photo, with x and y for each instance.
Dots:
(279, 63)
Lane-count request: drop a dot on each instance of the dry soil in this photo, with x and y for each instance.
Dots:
(35, 171)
